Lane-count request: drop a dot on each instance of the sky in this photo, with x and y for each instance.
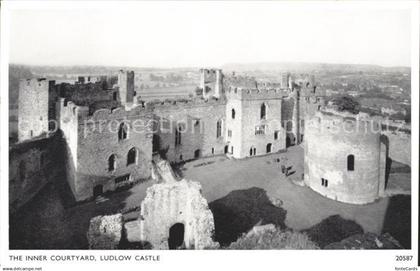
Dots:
(185, 34)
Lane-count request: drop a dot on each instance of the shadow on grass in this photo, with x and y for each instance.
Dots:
(240, 210)
(47, 222)
(332, 229)
(397, 220)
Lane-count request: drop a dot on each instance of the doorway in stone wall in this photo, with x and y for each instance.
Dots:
(226, 149)
(268, 148)
(98, 191)
(197, 154)
(176, 236)
(288, 142)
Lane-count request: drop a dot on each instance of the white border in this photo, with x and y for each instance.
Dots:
(221, 259)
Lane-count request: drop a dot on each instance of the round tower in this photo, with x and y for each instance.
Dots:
(344, 157)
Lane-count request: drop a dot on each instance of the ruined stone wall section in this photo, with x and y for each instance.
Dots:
(32, 108)
(68, 120)
(176, 202)
(32, 165)
(326, 152)
(200, 132)
(98, 139)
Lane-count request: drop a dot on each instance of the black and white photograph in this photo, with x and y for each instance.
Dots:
(227, 127)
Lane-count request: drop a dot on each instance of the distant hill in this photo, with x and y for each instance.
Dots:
(310, 67)
(92, 70)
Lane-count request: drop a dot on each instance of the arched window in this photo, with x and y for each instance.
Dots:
(132, 156)
(263, 112)
(112, 162)
(350, 162)
(122, 131)
(233, 113)
(219, 129)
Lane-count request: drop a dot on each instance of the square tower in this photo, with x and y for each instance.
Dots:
(126, 86)
(32, 108)
(253, 122)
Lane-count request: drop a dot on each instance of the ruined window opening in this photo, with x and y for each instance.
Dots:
(180, 157)
(233, 113)
(255, 151)
(132, 156)
(212, 150)
(250, 151)
(178, 135)
(114, 96)
(324, 182)
(226, 149)
(219, 129)
(319, 107)
(263, 111)
(350, 162)
(276, 135)
(122, 131)
(229, 133)
(231, 149)
(112, 162)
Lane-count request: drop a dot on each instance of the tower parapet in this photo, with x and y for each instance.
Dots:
(240, 93)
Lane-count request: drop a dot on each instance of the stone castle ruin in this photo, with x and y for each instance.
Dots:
(173, 215)
(110, 134)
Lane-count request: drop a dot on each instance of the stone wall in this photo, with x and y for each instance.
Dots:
(176, 203)
(92, 139)
(32, 165)
(327, 148)
(198, 121)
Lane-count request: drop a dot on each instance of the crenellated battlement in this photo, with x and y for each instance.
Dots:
(69, 110)
(340, 122)
(34, 83)
(181, 104)
(255, 93)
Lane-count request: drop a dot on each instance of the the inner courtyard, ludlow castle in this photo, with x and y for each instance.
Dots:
(110, 134)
